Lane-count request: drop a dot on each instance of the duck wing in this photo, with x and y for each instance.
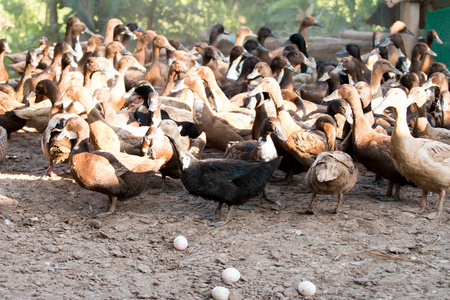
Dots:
(122, 162)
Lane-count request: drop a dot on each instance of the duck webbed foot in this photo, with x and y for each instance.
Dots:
(423, 203)
(111, 210)
(229, 214)
(180, 193)
(440, 207)
(433, 215)
(216, 213)
(265, 199)
(310, 210)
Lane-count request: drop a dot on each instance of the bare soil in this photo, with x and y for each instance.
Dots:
(50, 247)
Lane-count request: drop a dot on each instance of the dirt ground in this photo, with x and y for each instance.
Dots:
(373, 249)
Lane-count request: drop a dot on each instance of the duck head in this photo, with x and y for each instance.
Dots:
(272, 125)
(395, 98)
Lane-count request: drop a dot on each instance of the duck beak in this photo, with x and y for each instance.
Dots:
(385, 103)
(252, 34)
(409, 31)
(255, 91)
(333, 96)
(338, 69)
(375, 51)
(124, 51)
(61, 100)
(395, 71)
(139, 29)
(310, 62)
(73, 64)
(348, 112)
(260, 47)
(274, 35)
(318, 24)
(130, 33)
(279, 133)
(7, 49)
(252, 102)
(168, 46)
(30, 95)
(129, 93)
(71, 51)
(153, 105)
(180, 86)
(437, 39)
(286, 42)
(342, 51)
(428, 84)
(246, 53)
(192, 52)
(88, 31)
(431, 52)
(253, 75)
(139, 67)
(223, 58)
(324, 77)
(290, 67)
(386, 42)
(446, 72)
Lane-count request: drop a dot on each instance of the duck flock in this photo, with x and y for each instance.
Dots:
(117, 115)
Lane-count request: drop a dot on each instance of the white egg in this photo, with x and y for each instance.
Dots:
(180, 243)
(220, 293)
(231, 275)
(307, 288)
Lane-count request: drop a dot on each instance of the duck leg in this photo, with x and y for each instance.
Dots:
(264, 199)
(440, 207)
(340, 196)
(112, 207)
(163, 188)
(423, 203)
(390, 189)
(397, 192)
(310, 210)
(52, 172)
(216, 212)
(229, 214)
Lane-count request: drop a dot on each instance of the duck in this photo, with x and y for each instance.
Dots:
(217, 31)
(380, 67)
(222, 103)
(396, 40)
(423, 161)
(177, 69)
(241, 84)
(227, 181)
(136, 31)
(156, 145)
(105, 136)
(352, 68)
(370, 148)
(68, 77)
(325, 84)
(422, 128)
(96, 40)
(119, 89)
(144, 40)
(303, 145)
(122, 175)
(110, 25)
(438, 67)
(4, 48)
(206, 119)
(263, 33)
(102, 96)
(8, 118)
(397, 27)
(442, 113)
(374, 55)
(210, 58)
(417, 52)
(262, 149)
(53, 71)
(242, 33)
(354, 51)
(157, 73)
(333, 172)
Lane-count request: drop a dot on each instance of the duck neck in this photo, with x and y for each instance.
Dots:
(421, 121)
(26, 75)
(239, 40)
(185, 158)
(361, 124)
(170, 83)
(287, 82)
(81, 144)
(139, 52)
(3, 73)
(401, 131)
(287, 123)
(375, 82)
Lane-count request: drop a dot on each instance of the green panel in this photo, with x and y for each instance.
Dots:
(439, 20)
